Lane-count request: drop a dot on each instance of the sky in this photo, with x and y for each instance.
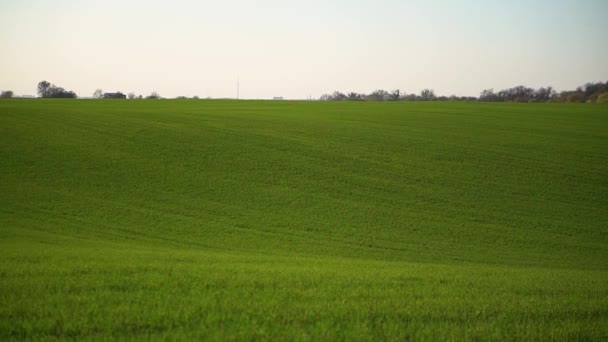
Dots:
(297, 49)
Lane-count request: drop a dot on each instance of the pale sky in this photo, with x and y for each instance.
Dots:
(299, 48)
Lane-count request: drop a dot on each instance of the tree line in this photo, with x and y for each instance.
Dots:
(589, 93)
(395, 95)
(46, 89)
(99, 94)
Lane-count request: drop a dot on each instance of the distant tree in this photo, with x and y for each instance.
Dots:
(544, 94)
(140, 97)
(98, 94)
(43, 88)
(410, 97)
(593, 90)
(352, 96)
(488, 95)
(522, 94)
(395, 95)
(516, 94)
(47, 90)
(6, 94)
(182, 97)
(335, 96)
(131, 96)
(338, 96)
(154, 95)
(427, 94)
(60, 93)
(378, 95)
(195, 97)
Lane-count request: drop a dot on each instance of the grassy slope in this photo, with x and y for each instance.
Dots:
(283, 219)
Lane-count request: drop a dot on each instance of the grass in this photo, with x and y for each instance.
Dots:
(303, 220)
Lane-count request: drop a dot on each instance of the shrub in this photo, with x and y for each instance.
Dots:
(6, 94)
(603, 98)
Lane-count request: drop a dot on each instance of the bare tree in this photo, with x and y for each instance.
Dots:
(395, 95)
(378, 95)
(427, 94)
(131, 96)
(488, 95)
(98, 94)
(353, 96)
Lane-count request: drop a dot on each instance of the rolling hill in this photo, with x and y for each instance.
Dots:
(302, 220)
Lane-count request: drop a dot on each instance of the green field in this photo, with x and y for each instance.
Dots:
(187, 219)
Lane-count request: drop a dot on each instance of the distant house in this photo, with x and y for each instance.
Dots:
(117, 95)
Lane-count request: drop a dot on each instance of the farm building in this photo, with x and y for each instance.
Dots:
(117, 95)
